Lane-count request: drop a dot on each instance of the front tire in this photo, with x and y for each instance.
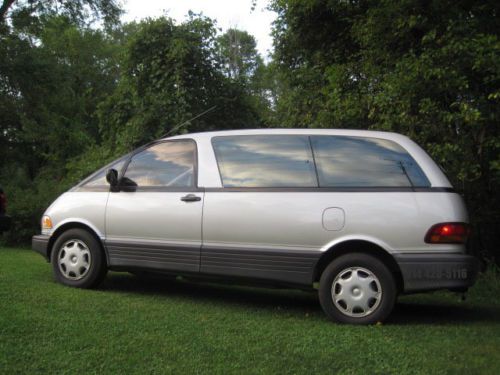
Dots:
(357, 288)
(78, 260)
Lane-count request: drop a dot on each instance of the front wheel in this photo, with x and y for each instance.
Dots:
(78, 260)
(357, 288)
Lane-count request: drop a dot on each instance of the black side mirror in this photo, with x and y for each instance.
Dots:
(112, 177)
(128, 185)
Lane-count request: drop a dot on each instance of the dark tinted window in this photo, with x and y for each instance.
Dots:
(167, 164)
(359, 162)
(100, 178)
(265, 161)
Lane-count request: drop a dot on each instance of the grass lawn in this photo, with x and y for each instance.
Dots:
(140, 326)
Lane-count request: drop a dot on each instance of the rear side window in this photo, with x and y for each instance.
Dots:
(166, 164)
(364, 162)
(265, 161)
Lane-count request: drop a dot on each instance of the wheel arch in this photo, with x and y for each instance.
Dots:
(359, 246)
(74, 225)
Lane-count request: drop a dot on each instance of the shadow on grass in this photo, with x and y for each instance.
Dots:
(217, 292)
(432, 309)
(442, 313)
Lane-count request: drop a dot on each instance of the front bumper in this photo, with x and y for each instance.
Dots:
(40, 244)
(425, 272)
(4, 223)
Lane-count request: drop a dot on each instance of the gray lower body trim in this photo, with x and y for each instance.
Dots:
(282, 266)
(155, 257)
(425, 272)
(287, 266)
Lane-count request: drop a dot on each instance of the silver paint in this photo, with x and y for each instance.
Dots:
(396, 221)
(154, 216)
(333, 218)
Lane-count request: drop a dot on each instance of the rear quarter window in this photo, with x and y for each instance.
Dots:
(343, 161)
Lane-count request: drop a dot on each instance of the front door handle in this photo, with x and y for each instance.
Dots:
(190, 198)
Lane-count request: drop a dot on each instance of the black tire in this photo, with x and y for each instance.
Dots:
(357, 263)
(79, 239)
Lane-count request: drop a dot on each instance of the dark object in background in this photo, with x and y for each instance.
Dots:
(4, 219)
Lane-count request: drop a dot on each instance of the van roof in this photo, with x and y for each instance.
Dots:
(292, 131)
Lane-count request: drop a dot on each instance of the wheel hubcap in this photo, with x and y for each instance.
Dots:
(74, 259)
(356, 292)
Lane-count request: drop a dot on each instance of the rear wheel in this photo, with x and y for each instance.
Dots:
(357, 288)
(78, 260)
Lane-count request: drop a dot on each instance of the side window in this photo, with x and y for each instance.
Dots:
(364, 162)
(166, 164)
(265, 161)
(99, 179)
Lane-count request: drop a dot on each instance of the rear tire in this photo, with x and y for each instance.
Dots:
(78, 260)
(357, 288)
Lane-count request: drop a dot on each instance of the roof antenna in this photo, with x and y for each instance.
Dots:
(188, 121)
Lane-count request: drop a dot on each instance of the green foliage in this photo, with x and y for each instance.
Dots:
(239, 55)
(28, 199)
(243, 65)
(73, 97)
(172, 73)
(52, 78)
(430, 70)
(26, 14)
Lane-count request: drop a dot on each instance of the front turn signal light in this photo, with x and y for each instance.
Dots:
(46, 222)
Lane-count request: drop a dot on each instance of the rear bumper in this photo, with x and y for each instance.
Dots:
(425, 272)
(40, 244)
(4, 223)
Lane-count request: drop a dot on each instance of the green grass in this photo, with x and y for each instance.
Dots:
(140, 326)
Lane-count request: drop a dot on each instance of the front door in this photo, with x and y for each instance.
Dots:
(154, 220)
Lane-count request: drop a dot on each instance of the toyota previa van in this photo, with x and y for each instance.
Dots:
(361, 216)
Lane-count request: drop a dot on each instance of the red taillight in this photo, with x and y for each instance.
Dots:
(448, 233)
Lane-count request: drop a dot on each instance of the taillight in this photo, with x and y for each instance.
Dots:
(448, 233)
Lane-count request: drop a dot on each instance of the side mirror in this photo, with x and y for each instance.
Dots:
(112, 177)
(128, 185)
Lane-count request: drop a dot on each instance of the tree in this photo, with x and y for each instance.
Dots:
(240, 59)
(427, 69)
(242, 63)
(170, 74)
(53, 89)
(27, 12)
(54, 70)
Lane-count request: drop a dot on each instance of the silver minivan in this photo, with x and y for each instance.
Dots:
(361, 216)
